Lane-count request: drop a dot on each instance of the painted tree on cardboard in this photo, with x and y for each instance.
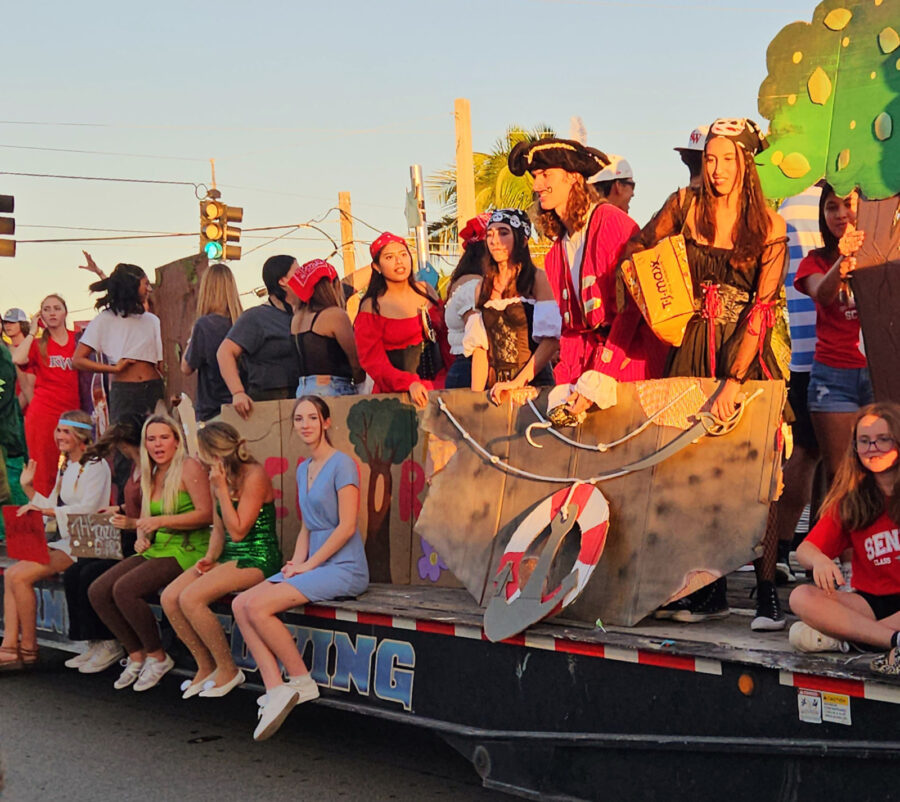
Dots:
(383, 432)
(833, 98)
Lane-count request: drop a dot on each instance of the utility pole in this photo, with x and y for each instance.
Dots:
(347, 251)
(465, 163)
(415, 174)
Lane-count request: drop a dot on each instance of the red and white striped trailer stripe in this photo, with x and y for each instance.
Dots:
(863, 689)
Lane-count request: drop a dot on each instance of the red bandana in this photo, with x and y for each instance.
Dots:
(381, 241)
(475, 230)
(304, 281)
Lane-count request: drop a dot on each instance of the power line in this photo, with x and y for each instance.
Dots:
(104, 153)
(114, 180)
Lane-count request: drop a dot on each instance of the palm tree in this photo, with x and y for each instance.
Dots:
(495, 186)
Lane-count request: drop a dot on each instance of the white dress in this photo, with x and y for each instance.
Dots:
(83, 489)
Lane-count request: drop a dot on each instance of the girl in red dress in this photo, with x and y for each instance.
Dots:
(49, 358)
(399, 321)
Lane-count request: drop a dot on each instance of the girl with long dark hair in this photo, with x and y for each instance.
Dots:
(736, 249)
(515, 330)
(400, 321)
(839, 381)
(862, 511)
(460, 305)
(129, 340)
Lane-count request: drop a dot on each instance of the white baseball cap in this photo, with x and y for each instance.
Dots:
(618, 169)
(697, 139)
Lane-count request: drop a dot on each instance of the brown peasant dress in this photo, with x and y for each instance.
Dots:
(730, 332)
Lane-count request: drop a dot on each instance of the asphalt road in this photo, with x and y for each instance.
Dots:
(65, 735)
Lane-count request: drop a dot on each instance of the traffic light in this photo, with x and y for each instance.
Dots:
(7, 226)
(215, 233)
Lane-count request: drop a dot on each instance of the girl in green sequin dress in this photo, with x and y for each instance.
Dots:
(243, 550)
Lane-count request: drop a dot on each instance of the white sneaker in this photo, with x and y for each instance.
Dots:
(306, 688)
(280, 702)
(106, 653)
(80, 659)
(806, 639)
(129, 675)
(152, 672)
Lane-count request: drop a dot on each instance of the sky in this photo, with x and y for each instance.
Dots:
(297, 102)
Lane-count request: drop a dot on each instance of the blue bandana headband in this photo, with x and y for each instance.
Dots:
(76, 424)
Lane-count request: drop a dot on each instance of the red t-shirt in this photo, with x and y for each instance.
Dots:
(56, 380)
(876, 551)
(837, 325)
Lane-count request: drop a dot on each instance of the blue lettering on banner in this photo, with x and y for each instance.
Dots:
(394, 664)
(337, 660)
(353, 663)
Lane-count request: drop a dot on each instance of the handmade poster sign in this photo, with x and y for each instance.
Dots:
(25, 536)
(833, 98)
(93, 535)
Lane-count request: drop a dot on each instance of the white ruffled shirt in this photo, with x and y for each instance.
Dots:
(460, 302)
(84, 493)
(546, 322)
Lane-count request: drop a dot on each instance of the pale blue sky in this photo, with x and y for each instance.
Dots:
(297, 102)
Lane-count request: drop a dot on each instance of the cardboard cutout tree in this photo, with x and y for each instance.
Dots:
(383, 433)
(833, 98)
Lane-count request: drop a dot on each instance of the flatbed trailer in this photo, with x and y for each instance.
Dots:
(566, 711)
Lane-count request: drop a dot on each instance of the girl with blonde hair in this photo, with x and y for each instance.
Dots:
(172, 535)
(218, 307)
(242, 551)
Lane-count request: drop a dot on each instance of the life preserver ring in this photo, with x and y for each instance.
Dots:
(592, 516)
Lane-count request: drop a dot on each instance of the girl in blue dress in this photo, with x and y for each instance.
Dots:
(329, 561)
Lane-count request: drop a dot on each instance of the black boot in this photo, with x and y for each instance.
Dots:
(769, 615)
(705, 604)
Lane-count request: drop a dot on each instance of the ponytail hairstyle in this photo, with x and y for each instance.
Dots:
(123, 291)
(45, 335)
(172, 480)
(84, 435)
(854, 493)
(125, 432)
(218, 294)
(218, 440)
(324, 414)
(274, 269)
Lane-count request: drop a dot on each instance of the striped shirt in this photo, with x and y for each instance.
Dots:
(801, 213)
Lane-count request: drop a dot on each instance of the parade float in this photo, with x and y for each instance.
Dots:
(515, 564)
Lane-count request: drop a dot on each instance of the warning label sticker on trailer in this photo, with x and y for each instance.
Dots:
(815, 707)
(809, 703)
(836, 708)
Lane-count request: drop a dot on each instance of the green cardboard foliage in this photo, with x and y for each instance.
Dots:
(832, 97)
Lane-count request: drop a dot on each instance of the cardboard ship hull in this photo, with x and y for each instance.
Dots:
(436, 511)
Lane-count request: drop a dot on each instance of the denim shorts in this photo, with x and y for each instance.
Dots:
(335, 385)
(838, 389)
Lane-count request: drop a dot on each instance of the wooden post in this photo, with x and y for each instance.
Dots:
(465, 164)
(347, 250)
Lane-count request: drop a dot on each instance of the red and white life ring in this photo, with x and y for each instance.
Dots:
(592, 517)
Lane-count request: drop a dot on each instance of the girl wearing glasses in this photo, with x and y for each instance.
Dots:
(861, 511)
